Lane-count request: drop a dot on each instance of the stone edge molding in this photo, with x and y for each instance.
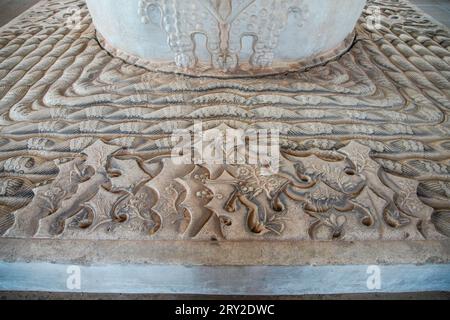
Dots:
(232, 253)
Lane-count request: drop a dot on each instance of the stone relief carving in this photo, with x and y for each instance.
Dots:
(338, 194)
(364, 140)
(224, 24)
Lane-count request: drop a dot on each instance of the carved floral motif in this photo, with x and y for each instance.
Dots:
(224, 23)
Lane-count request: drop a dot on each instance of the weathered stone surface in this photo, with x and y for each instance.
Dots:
(85, 140)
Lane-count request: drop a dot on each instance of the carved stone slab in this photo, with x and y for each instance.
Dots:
(85, 139)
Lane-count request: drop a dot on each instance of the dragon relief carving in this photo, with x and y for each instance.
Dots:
(224, 23)
(341, 194)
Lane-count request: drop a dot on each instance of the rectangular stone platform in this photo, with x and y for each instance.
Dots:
(87, 178)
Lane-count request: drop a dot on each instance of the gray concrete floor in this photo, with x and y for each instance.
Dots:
(86, 296)
(9, 9)
(439, 9)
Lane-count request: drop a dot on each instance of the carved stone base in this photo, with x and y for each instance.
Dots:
(226, 38)
(245, 70)
(85, 140)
